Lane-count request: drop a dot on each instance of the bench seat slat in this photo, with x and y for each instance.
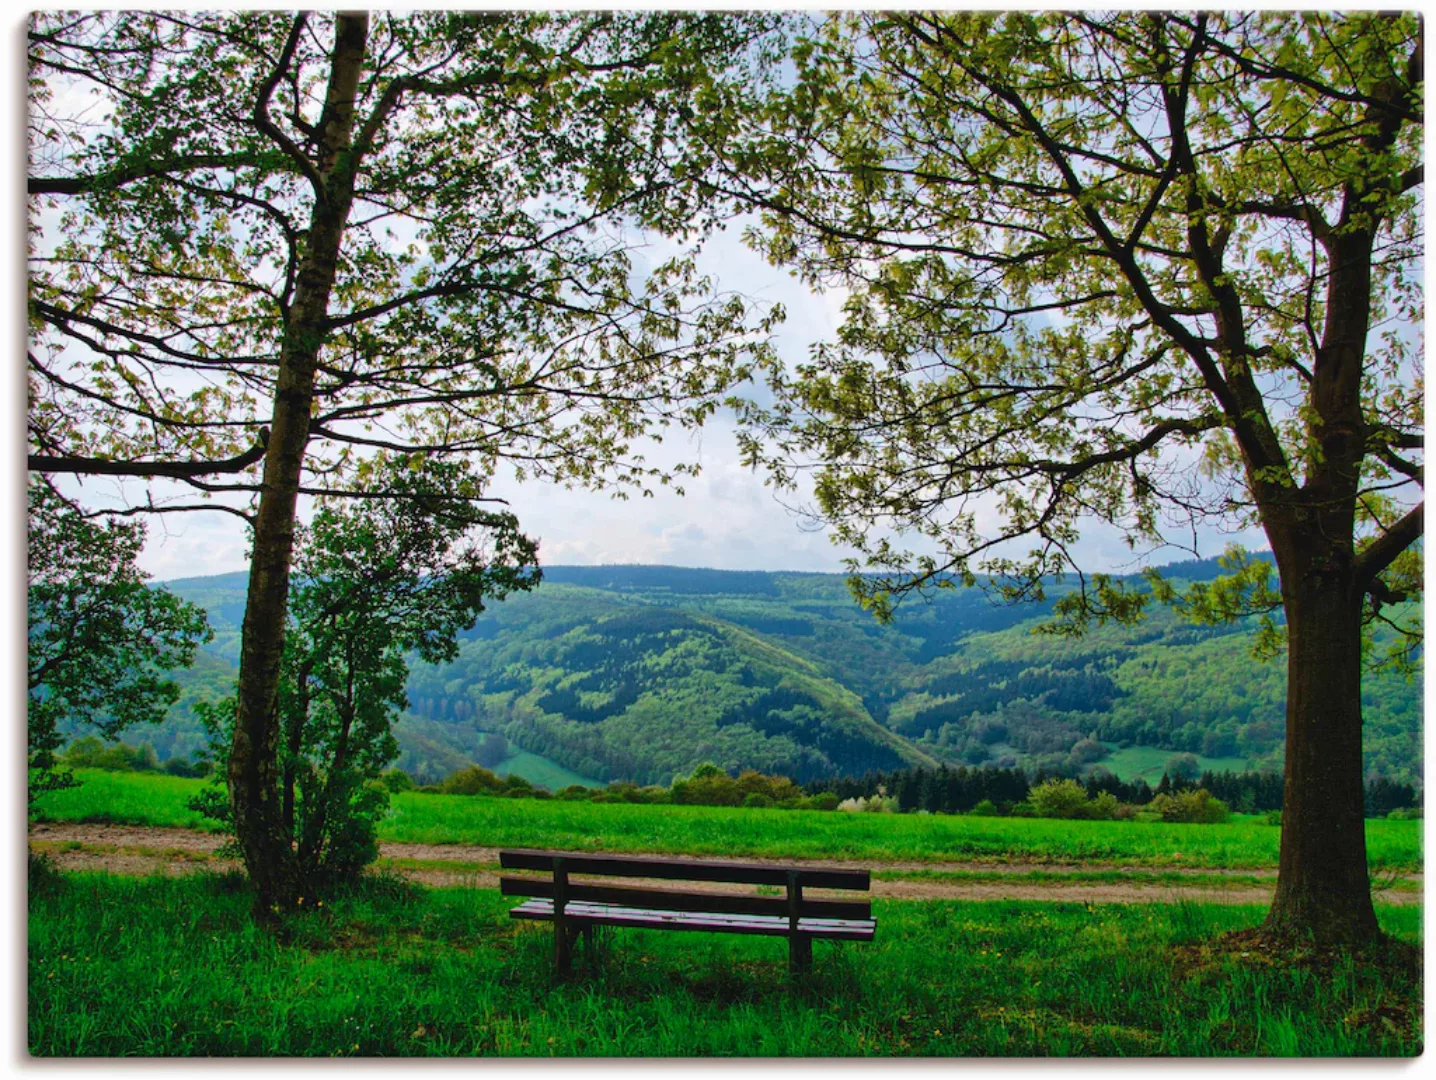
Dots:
(585, 912)
(647, 866)
(673, 900)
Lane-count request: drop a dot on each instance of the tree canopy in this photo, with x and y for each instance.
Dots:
(1157, 270)
(1098, 267)
(488, 293)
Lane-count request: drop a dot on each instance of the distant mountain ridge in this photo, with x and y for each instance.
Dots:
(643, 672)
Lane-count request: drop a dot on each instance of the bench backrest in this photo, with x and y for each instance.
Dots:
(652, 867)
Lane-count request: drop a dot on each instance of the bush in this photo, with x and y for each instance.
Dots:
(875, 804)
(708, 786)
(178, 766)
(776, 788)
(396, 780)
(824, 800)
(475, 780)
(1059, 799)
(985, 808)
(1197, 806)
(1410, 813)
(91, 753)
(1104, 807)
(575, 793)
(757, 800)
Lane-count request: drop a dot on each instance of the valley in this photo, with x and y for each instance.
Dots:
(643, 672)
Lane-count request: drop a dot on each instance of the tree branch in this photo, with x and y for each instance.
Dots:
(1386, 547)
(178, 470)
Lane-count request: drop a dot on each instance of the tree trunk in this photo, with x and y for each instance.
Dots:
(255, 776)
(1322, 884)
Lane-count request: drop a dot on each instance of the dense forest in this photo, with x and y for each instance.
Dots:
(642, 673)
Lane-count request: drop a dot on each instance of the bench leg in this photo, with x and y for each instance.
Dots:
(562, 947)
(800, 953)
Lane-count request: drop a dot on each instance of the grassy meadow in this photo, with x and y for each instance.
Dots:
(174, 966)
(1245, 842)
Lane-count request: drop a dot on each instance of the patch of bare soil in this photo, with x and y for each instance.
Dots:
(127, 849)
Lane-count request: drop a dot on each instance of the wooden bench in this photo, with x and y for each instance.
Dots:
(574, 906)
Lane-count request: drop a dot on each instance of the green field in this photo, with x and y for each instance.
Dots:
(542, 772)
(1246, 842)
(1148, 763)
(164, 966)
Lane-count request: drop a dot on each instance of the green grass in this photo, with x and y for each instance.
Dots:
(161, 966)
(542, 772)
(1148, 763)
(699, 830)
(126, 798)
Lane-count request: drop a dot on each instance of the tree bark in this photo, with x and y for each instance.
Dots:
(255, 776)
(1322, 885)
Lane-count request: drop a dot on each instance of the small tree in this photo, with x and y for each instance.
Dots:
(1195, 805)
(493, 751)
(378, 582)
(100, 640)
(1183, 768)
(1059, 799)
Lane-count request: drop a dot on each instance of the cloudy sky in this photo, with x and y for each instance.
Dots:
(726, 519)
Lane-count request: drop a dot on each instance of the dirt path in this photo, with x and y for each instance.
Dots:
(130, 849)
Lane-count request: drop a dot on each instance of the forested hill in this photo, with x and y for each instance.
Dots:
(643, 672)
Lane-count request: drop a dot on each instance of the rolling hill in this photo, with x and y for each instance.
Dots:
(643, 672)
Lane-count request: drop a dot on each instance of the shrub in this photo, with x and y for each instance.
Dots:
(1104, 807)
(708, 786)
(1197, 805)
(824, 800)
(474, 780)
(1273, 817)
(1059, 799)
(575, 792)
(985, 808)
(1410, 813)
(756, 799)
(178, 766)
(91, 753)
(396, 780)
